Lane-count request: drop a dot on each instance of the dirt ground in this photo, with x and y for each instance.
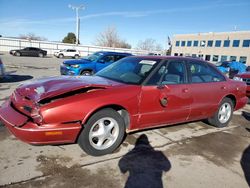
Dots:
(188, 155)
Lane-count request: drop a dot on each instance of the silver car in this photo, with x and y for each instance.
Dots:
(1, 69)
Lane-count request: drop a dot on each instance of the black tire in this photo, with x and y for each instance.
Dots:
(61, 56)
(217, 120)
(17, 54)
(86, 73)
(76, 56)
(108, 116)
(40, 55)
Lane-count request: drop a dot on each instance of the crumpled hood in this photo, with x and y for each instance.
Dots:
(77, 61)
(39, 89)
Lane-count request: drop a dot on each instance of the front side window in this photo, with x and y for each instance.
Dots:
(171, 72)
(246, 43)
(217, 43)
(174, 73)
(236, 43)
(95, 56)
(202, 73)
(226, 43)
(108, 59)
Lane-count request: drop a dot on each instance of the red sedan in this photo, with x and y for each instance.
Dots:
(132, 94)
(245, 77)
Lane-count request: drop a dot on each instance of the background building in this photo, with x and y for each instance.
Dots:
(214, 47)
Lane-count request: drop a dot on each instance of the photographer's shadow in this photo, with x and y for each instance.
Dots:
(144, 164)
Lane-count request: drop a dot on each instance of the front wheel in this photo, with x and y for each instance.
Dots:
(86, 73)
(40, 55)
(223, 115)
(17, 54)
(103, 133)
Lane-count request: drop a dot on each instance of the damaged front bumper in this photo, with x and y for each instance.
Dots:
(24, 129)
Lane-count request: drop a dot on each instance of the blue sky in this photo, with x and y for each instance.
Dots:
(135, 20)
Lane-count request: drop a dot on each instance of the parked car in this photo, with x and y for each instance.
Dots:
(29, 51)
(245, 77)
(68, 53)
(223, 66)
(135, 93)
(231, 68)
(2, 72)
(91, 64)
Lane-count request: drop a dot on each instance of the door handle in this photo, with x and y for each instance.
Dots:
(223, 87)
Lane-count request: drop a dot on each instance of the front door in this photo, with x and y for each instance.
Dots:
(166, 98)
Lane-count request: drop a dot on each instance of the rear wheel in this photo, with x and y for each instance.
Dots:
(223, 115)
(17, 54)
(76, 56)
(61, 56)
(103, 133)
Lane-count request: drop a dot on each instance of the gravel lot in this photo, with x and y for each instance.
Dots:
(186, 155)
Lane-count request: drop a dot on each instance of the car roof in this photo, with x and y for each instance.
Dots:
(170, 58)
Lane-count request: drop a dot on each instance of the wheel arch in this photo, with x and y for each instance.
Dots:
(233, 99)
(118, 108)
(86, 69)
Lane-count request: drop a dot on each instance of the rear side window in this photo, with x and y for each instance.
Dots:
(200, 72)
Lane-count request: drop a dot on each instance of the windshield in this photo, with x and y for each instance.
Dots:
(130, 70)
(94, 56)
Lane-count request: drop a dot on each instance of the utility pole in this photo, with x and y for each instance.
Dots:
(77, 8)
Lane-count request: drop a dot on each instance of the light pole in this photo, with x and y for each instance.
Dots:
(77, 8)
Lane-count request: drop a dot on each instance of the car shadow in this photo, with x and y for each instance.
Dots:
(15, 78)
(144, 165)
(245, 164)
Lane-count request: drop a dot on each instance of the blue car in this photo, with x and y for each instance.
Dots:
(91, 64)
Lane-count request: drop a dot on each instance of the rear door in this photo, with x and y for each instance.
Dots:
(166, 98)
(207, 87)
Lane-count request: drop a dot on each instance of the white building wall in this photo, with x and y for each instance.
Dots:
(220, 51)
(7, 44)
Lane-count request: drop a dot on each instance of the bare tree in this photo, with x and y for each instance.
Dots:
(110, 38)
(149, 45)
(32, 36)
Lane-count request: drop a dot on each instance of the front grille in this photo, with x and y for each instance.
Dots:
(247, 80)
